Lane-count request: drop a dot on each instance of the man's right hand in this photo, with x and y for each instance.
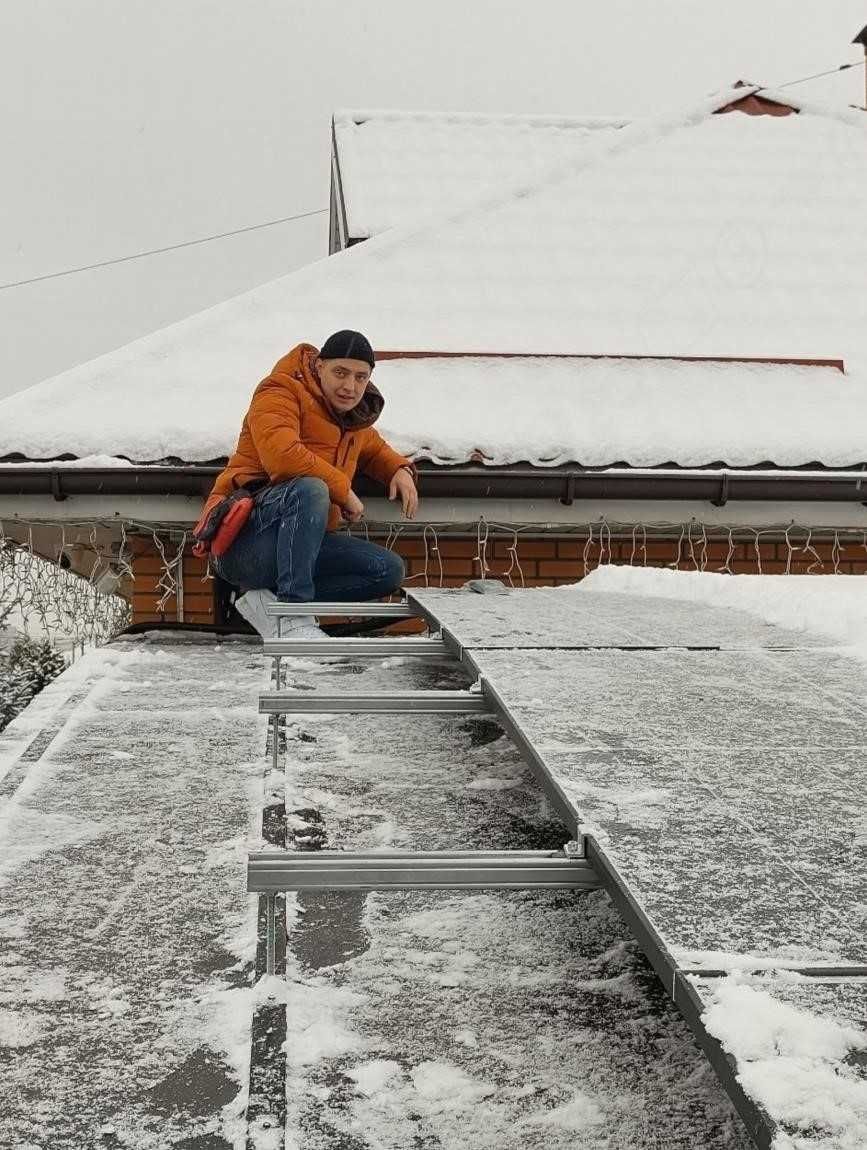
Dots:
(353, 508)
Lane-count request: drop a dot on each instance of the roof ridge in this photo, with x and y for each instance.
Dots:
(361, 115)
(633, 135)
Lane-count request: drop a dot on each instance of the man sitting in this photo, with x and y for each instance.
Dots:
(308, 427)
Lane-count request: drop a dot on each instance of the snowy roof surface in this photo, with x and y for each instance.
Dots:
(141, 1022)
(593, 412)
(724, 790)
(707, 235)
(397, 167)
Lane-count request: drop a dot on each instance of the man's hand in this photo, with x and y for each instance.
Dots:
(403, 486)
(353, 508)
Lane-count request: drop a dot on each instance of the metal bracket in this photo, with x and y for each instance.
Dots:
(400, 703)
(272, 871)
(723, 497)
(358, 648)
(349, 610)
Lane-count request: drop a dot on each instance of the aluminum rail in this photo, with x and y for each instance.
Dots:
(350, 610)
(359, 648)
(397, 703)
(274, 871)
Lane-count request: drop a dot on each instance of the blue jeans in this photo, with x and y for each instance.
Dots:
(284, 546)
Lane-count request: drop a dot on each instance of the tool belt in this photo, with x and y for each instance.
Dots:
(216, 532)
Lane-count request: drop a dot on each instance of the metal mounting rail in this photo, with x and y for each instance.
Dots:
(349, 610)
(399, 703)
(274, 871)
(358, 648)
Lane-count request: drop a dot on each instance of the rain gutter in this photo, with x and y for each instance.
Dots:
(565, 484)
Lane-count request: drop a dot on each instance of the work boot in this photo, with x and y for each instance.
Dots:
(252, 607)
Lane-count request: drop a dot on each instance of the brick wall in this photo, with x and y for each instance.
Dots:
(542, 561)
(145, 592)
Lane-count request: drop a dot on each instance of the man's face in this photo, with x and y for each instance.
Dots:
(343, 381)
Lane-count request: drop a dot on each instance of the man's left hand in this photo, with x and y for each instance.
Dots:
(403, 486)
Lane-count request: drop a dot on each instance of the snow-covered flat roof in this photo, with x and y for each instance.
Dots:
(701, 234)
(397, 167)
(720, 787)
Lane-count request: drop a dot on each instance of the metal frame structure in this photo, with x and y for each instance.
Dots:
(401, 610)
(275, 871)
(354, 648)
(399, 703)
(583, 865)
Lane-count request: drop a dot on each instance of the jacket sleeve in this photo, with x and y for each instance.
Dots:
(380, 461)
(274, 420)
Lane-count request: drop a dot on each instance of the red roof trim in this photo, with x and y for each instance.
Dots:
(784, 360)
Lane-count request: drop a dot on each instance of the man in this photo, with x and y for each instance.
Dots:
(308, 427)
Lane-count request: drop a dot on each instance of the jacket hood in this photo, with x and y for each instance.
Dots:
(299, 364)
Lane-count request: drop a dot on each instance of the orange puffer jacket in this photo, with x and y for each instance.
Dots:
(289, 431)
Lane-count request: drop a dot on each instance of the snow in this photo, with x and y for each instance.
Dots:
(125, 815)
(725, 788)
(88, 461)
(833, 608)
(582, 1114)
(644, 413)
(700, 234)
(407, 1014)
(795, 1062)
(20, 1028)
(496, 1020)
(371, 1077)
(753, 1025)
(398, 166)
(581, 615)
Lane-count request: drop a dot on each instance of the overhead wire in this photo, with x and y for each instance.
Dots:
(830, 71)
(160, 251)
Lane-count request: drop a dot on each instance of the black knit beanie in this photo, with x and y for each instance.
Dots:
(347, 345)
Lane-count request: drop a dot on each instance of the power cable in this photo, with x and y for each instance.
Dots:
(817, 76)
(159, 251)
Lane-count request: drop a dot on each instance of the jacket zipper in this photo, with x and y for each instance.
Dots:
(349, 441)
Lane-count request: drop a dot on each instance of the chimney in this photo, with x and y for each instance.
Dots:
(861, 39)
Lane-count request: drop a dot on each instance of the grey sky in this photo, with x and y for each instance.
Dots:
(140, 124)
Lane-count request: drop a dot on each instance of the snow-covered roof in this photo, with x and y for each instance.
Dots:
(396, 167)
(705, 235)
(594, 412)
